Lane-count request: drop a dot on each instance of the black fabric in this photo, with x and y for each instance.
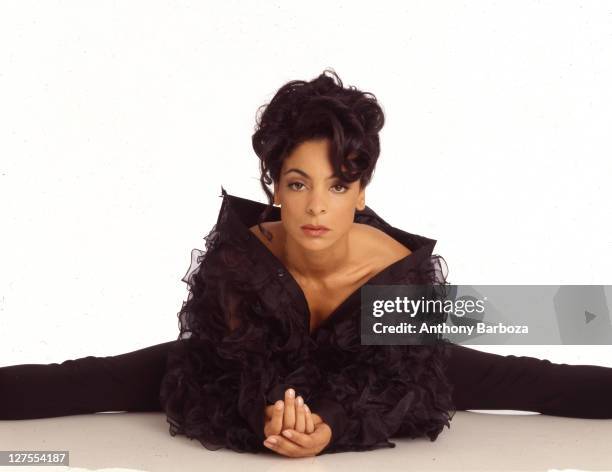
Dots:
(125, 382)
(244, 338)
(131, 382)
(247, 339)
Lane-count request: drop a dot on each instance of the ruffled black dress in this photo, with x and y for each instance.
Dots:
(245, 338)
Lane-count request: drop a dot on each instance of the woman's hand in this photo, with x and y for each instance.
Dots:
(293, 414)
(296, 444)
(304, 434)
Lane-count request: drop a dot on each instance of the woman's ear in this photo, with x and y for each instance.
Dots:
(361, 200)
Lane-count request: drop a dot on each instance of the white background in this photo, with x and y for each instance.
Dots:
(120, 121)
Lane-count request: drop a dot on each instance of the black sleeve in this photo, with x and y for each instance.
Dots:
(349, 434)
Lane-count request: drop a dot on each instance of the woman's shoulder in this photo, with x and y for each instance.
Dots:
(383, 247)
(372, 243)
(273, 227)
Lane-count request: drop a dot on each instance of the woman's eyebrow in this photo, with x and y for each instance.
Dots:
(301, 172)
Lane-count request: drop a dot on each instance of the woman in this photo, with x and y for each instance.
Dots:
(269, 356)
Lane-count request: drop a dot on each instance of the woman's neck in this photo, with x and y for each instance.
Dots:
(316, 266)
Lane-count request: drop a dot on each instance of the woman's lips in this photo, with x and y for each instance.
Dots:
(314, 232)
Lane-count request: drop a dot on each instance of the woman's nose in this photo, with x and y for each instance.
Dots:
(316, 207)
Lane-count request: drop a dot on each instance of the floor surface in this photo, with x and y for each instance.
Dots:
(475, 441)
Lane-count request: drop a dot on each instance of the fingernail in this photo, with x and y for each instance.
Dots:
(291, 393)
(300, 401)
(279, 405)
(272, 440)
(287, 433)
(306, 407)
(267, 444)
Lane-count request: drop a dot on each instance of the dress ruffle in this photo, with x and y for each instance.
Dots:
(238, 341)
(387, 391)
(243, 342)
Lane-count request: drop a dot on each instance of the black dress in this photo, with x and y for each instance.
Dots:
(244, 338)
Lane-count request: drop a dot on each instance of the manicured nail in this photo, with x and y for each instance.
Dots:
(287, 433)
(306, 408)
(300, 401)
(272, 440)
(291, 393)
(267, 444)
(279, 405)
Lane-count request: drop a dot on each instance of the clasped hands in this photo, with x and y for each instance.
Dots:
(292, 430)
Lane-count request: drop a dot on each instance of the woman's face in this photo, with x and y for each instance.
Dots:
(308, 194)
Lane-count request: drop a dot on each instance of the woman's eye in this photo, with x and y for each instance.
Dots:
(342, 187)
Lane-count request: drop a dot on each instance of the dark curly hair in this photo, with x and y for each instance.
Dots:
(319, 109)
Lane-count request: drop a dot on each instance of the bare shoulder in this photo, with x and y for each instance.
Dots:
(374, 249)
(384, 248)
